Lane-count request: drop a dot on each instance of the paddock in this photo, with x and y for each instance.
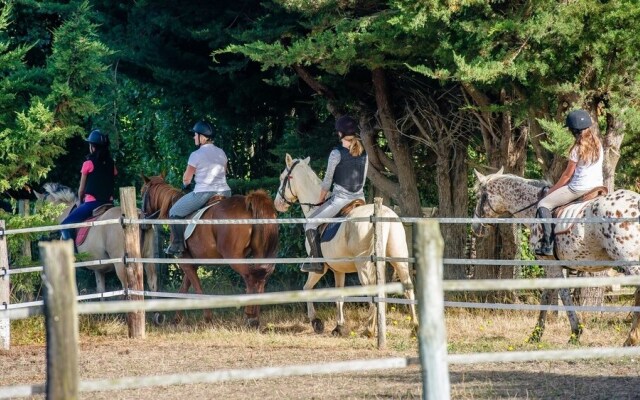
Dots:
(601, 358)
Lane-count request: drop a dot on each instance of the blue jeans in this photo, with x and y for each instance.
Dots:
(79, 214)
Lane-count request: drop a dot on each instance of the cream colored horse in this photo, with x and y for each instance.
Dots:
(298, 182)
(103, 241)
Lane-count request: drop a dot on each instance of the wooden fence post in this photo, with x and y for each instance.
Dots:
(135, 320)
(5, 295)
(61, 319)
(380, 276)
(428, 250)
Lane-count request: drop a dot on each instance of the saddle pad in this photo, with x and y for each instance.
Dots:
(571, 211)
(329, 232)
(196, 216)
(83, 232)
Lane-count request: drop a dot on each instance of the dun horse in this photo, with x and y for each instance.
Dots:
(509, 195)
(298, 182)
(226, 241)
(103, 241)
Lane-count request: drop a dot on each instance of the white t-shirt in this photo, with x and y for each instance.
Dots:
(586, 177)
(209, 162)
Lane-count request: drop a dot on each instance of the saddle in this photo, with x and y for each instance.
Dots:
(198, 214)
(328, 231)
(574, 209)
(83, 232)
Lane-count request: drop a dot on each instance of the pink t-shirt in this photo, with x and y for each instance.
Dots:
(87, 168)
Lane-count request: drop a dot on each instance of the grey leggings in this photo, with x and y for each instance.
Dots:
(560, 196)
(191, 202)
(328, 210)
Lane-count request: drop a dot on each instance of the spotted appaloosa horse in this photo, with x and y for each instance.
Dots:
(509, 195)
(298, 182)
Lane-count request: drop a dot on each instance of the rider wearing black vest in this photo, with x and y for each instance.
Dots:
(97, 181)
(346, 172)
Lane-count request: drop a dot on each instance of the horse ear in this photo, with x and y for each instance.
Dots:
(500, 171)
(481, 178)
(144, 178)
(288, 160)
(163, 174)
(306, 160)
(39, 196)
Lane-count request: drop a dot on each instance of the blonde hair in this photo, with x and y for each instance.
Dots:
(588, 146)
(356, 148)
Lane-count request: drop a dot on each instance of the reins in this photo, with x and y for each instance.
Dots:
(283, 188)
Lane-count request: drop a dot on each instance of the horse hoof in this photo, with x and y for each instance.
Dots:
(253, 323)
(368, 334)
(318, 325)
(340, 330)
(158, 319)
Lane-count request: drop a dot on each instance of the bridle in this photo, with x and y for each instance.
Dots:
(484, 198)
(286, 183)
(145, 204)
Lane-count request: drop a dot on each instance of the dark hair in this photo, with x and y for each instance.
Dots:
(100, 153)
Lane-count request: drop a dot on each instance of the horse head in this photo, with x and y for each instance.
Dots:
(505, 195)
(57, 193)
(291, 181)
(490, 202)
(157, 196)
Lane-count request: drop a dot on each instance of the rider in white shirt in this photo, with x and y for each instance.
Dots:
(582, 174)
(208, 165)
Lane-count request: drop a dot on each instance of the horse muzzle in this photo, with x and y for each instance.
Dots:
(280, 204)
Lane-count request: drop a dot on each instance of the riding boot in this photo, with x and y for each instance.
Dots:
(546, 244)
(69, 234)
(314, 244)
(177, 240)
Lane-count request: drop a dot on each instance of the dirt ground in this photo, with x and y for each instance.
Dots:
(105, 352)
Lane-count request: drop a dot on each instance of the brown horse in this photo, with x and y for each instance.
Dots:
(222, 240)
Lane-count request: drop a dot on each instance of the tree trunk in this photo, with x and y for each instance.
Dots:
(505, 146)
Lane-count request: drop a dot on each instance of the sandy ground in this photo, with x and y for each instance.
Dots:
(105, 352)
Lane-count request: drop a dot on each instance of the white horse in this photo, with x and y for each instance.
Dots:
(298, 182)
(103, 241)
(509, 195)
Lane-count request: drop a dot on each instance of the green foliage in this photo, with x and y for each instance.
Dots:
(42, 107)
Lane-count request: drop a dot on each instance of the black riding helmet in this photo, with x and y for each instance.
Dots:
(578, 120)
(98, 138)
(347, 125)
(203, 128)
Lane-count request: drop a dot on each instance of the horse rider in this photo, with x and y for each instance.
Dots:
(208, 165)
(582, 174)
(347, 172)
(97, 181)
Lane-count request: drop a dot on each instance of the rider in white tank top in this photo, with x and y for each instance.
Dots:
(586, 176)
(209, 162)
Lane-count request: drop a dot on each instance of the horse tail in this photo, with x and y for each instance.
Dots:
(146, 251)
(264, 237)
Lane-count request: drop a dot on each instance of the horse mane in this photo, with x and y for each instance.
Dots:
(60, 193)
(165, 194)
(309, 171)
(540, 183)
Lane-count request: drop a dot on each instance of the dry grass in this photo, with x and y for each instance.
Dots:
(285, 339)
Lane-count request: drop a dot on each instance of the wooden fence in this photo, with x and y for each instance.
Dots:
(61, 311)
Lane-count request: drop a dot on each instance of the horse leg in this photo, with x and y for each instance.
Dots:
(312, 280)
(255, 283)
(634, 336)
(576, 327)
(545, 299)
(366, 273)
(402, 270)
(190, 271)
(100, 281)
(340, 329)
(184, 288)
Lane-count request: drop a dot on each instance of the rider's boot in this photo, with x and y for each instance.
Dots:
(546, 244)
(69, 234)
(177, 240)
(314, 244)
